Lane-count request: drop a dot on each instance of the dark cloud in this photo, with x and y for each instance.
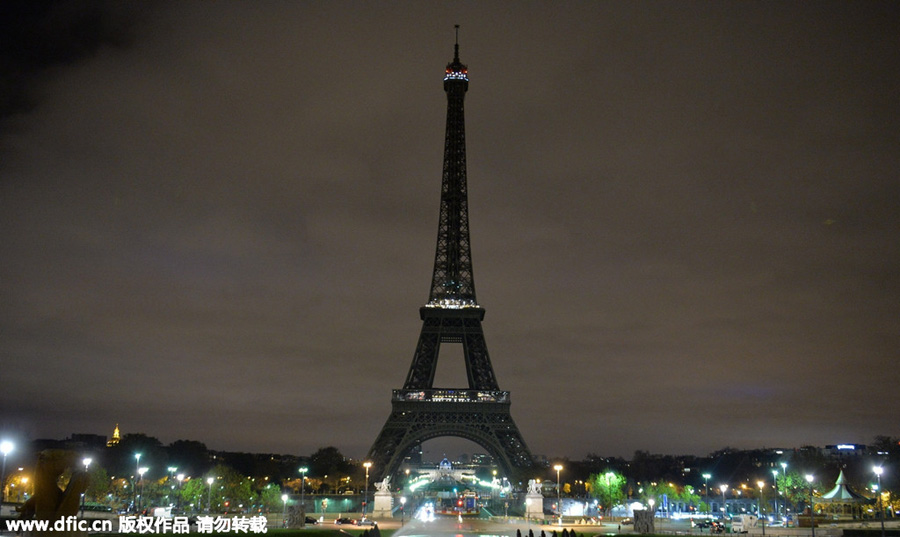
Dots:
(218, 219)
(39, 36)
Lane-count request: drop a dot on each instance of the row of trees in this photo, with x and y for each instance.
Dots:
(611, 489)
(139, 473)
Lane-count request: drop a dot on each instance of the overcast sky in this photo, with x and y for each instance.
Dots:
(218, 219)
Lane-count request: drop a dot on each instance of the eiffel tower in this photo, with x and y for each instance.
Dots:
(421, 411)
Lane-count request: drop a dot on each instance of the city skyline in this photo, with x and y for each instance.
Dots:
(218, 220)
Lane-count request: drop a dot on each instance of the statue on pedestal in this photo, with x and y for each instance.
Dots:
(534, 500)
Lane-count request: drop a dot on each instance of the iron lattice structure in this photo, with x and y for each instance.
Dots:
(481, 411)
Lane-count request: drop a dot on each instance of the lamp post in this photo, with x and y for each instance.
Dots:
(783, 493)
(6, 447)
(284, 498)
(775, 482)
(402, 505)
(141, 497)
(812, 518)
(706, 490)
(137, 465)
(303, 471)
(209, 481)
(878, 471)
(558, 469)
(723, 488)
(86, 462)
(367, 465)
(180, 478)
(759, 509)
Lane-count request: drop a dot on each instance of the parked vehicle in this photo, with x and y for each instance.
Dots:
(743, 523)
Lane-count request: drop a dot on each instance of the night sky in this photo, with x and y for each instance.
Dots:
(218, 219)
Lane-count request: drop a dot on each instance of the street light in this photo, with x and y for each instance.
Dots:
(180, 478)
(6, 447)
(723, 488)
(303, 471)
(558, 469)
(87, 462)
(706, 490)
(402, 505)
(878, 471)
(137, 465)
(284, 498)
(209, 481)
(783, 493)
(367, 465)
(812, 518)
(141, 473)
(775, 482)
(759, 509)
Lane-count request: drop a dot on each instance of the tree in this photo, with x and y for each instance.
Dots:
(658, 491)
(99, 486)
(120, 460)
(231, 491)
(794, 488)
(328, 461)
(270, 498)
(193, 494)
(608, 488)
(190, 457)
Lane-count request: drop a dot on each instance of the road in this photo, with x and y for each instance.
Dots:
(469, 527)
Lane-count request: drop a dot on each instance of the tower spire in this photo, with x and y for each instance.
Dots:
(452, 283)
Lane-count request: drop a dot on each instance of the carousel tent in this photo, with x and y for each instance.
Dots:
(843, 497)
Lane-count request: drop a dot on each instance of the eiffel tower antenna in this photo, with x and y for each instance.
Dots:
(479, 411)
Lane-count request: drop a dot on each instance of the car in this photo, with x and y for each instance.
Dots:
(365, 522)
(626, 521)
(311, 520)
(343, 520)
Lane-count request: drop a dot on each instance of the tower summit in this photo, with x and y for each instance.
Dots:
(452, 284)
(480, 411)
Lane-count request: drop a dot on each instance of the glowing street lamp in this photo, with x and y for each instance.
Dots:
(6, 447)
(402, 505)
(137, 466)
(303, 471)
(783, 487)
(558, 469)
(141, 472)
(812, 517)
(706, 490)
(759, 508)
(367, 465)
(180, 478)
(881, 513)
(209, 481)
(723, 488)
(775, 482)
(284, 499)
(86, 462)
